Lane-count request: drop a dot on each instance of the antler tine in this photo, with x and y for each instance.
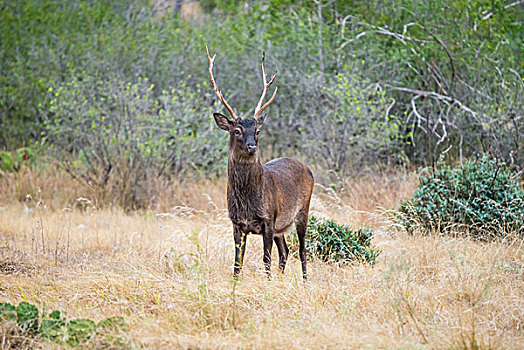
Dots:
(215, 88)
(259, 112)
(258, 108)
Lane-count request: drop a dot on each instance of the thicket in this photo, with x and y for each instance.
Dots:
(480, 198)
(25, 321)
(331, 242)
(118, 92)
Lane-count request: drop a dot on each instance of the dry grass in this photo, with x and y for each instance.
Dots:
(169, 274)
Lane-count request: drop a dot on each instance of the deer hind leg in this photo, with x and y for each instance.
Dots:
(301, 224)
(268, 234)
(240, 249)
(283, 251)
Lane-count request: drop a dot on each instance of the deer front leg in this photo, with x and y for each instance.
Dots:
(268, 246)
(240, 249)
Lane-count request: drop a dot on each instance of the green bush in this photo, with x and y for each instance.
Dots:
(480, 198)
(6, 162)
(331, 242)
(119, 134)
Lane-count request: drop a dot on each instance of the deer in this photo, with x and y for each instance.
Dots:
(264, 199)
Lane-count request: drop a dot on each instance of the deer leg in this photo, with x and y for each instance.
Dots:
(283, 251)
(240, 249)
(268, 246)
(301, 224)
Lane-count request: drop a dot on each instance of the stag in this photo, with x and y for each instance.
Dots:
(262, 199)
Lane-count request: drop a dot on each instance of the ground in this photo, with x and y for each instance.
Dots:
(168, 272)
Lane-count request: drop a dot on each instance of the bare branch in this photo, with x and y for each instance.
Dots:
(389, 108)
(436, 96)
(487, 15)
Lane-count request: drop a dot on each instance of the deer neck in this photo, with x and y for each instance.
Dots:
(245, 178)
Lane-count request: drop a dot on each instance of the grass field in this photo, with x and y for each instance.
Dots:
(168, 272)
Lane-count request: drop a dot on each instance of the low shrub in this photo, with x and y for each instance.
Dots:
(480, 198)
(56, 328)
(331, 242)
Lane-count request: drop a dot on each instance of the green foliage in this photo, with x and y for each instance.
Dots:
(331, 242)
(481, 198)
(357, 116)
(80, 330)
(55, 327)
(27, 316)
(468, 52)
(368, 82)
(24, 155)
(121, 133)
(6, 162)
(7, 312)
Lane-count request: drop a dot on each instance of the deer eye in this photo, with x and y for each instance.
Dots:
(237, 132)
(257, 132)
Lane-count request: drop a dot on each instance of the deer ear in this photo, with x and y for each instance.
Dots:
(260, 119)
(222, 121)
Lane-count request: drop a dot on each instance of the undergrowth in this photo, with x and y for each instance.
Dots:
(24, 322)
(481, 198)
(331, 242)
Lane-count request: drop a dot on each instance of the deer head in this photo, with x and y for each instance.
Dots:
(243, 133)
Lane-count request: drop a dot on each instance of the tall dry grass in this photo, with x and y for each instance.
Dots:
(168, 271)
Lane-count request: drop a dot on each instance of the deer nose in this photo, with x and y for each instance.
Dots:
(252, 148)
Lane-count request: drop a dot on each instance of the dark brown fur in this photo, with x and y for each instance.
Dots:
(264, 199)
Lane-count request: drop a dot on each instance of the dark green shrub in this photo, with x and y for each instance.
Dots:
(27, 316)
(331, 242)
(480, 197)
(6, 162)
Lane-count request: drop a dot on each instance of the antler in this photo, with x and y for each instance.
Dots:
(258, 109)
(215, 88)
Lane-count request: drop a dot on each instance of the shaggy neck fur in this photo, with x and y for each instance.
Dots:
(245, 194)
(244, 178)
